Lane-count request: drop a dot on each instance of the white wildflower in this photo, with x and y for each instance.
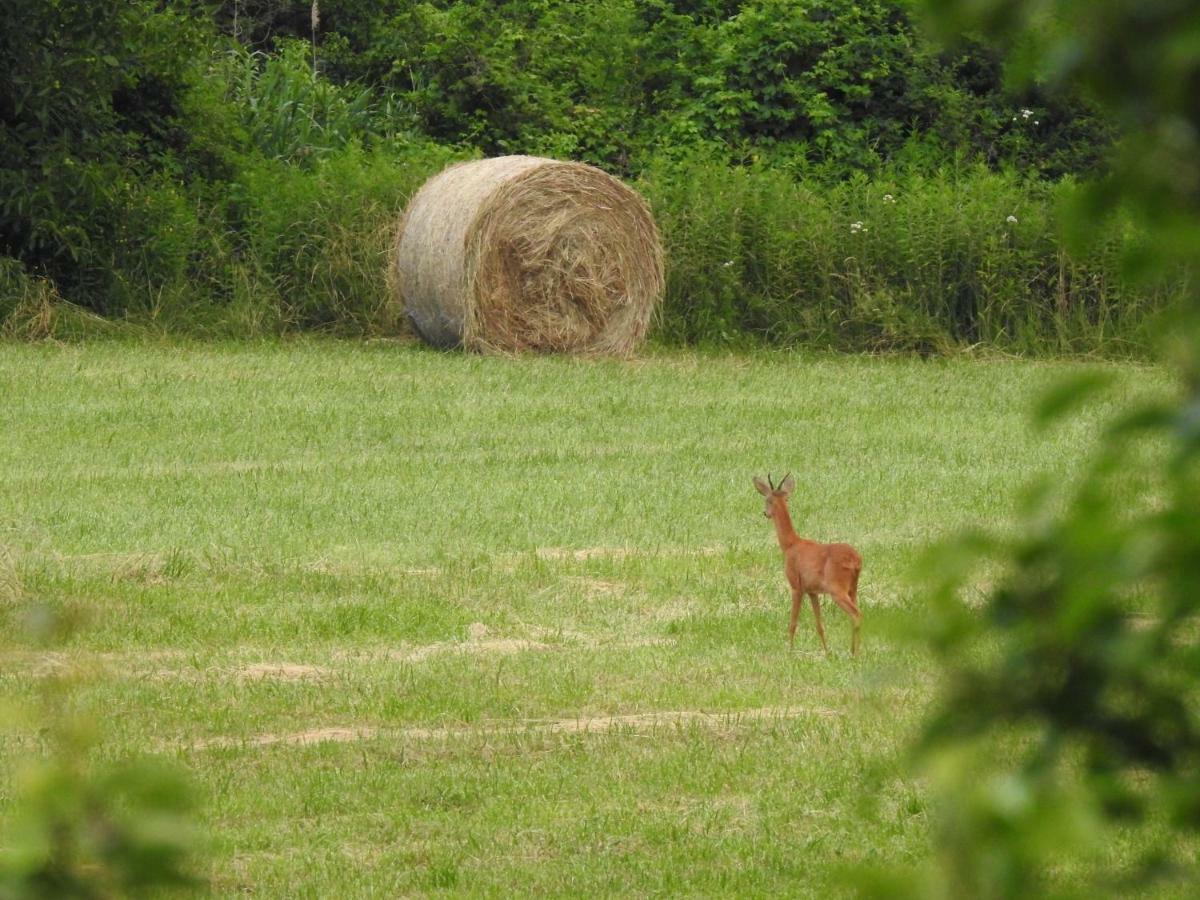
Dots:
(888, 198)
(1011, 220)
(1026, 113)
(856, 227)
(727, 264)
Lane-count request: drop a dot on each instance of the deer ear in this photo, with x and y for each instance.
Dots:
(789, 485)
(762, 487)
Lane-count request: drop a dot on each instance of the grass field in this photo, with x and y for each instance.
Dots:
(416, 620)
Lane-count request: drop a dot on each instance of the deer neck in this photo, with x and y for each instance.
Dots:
(783, 527)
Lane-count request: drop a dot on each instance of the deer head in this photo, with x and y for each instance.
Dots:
(775, 494)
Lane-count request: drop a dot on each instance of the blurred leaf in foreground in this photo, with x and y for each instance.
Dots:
(80, 826)
(1070, 715)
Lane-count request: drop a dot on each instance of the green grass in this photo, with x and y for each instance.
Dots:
(465, 559)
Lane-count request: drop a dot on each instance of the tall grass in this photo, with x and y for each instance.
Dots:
(315, 244)
(291, 112)
(909, 261)
(298, 239)
(289, 248)
(925, 262)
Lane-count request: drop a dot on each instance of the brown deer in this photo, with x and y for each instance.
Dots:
(813, 568)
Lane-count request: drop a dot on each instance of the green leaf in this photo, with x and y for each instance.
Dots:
(1068, 395)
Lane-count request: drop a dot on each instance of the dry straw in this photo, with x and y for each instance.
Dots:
(521, 253)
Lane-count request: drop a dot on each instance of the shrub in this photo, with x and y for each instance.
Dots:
(91, 109)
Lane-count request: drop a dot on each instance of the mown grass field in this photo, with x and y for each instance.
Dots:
(417, 621)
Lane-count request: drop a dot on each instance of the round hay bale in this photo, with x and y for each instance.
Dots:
(522, 253)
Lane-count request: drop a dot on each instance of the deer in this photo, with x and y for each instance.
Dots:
(812, 568)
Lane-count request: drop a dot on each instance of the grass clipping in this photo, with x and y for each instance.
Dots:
(520, 253)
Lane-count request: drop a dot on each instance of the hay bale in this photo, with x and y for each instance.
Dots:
(522, 253)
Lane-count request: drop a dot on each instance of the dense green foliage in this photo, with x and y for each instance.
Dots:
(236, 170)
(1071, 713)
(839, 84)
(78, 827)
(93, 151)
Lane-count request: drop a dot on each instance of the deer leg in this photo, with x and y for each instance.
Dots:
(846, 602)
(816, 608)
(796, 597)
(857, 617)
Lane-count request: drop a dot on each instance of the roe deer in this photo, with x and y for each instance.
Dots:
(813, 568)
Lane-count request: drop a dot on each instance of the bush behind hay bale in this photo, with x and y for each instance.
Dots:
(522, 253)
